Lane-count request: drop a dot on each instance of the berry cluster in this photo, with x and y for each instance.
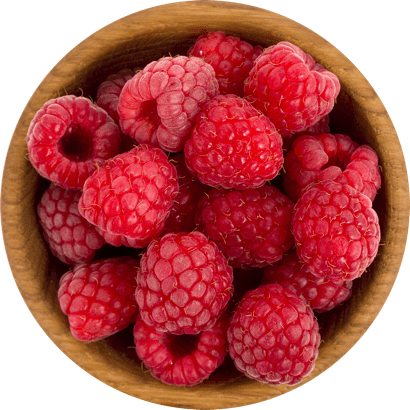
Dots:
(182, 160)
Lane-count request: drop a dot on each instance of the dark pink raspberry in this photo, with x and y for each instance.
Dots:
(131, 195)
(320, 127)
(362, 173)
(109, 91)
(182, 214)
(289, 87)
(181, 360)
(320, 293)
(184, 284)
(251, 227)
(232, 145)
(70, 237)
(310, 154)
(159, 104)
(68, 138)
(273, 336)
(336, 230)
(230, 57)
(98, 297)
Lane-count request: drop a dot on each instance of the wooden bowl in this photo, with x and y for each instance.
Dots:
(134, 41)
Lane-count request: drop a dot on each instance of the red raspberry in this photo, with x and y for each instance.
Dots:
(336, 230)
(68, 138)
(182, 214)
(231, 58)
(273, 336)
(251, 227)
(320, 293)
(309, 155)
(98, 297)
(362, 173)
(71, 238)
(320, 127)
(184, 284)
(232, 145)
(159, 104)
(131, 195)
(288, 86)
(184, 360)
(109, 91)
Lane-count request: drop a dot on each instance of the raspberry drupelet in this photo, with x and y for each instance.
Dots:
(232, 145)
(289, 87)
(70, 237)
(336, 230)
(131, 195)
(273, 336)
(159, 104)
(98, 297)
(230, 57)
(320, 293)
(184, 284)
(68, 138)
(251, 227)
(184, 360)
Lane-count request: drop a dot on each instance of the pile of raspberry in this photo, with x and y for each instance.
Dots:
(205, 201)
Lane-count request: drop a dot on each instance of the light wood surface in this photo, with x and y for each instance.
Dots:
(135, 41)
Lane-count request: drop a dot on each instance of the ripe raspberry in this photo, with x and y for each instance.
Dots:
(68, 138)
(320, 293)
(98, 297)
(336, 230)
(182, 214)
(109, 91)
(184, 360)
(309, 155)
(251, 227)
(288, 86)
(70, 237)
(231, 58)
(362, 173)
(131, 195)
(320, 127)
(273, 336)
(159, 104)
(232, 145)
(184, 284)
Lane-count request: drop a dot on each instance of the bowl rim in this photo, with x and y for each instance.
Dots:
(398, 204)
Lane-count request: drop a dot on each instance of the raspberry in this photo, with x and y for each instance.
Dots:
(336, 230)
(109, 91)
(320, 127)
(320, 293)
(70, 237)
(309, 155)
(288, 86)
(232, 145)
(184, 283)
(273, 336)
(251, 227)
(182, 214)
(159, 104)
(98, 297)
(231, 58)
(362, 173)
(184, 360)
(68, 138)
(131, 195)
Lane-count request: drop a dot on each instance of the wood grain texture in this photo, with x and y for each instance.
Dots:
(135, 41)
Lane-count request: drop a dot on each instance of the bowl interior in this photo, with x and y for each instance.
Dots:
(134, 41)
